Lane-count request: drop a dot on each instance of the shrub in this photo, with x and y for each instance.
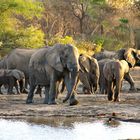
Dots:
(30, 37)
(62, 40)
(86, 47)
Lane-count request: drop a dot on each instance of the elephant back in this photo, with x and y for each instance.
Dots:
(16, 73)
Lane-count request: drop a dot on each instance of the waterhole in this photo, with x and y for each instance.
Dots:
(49, 129)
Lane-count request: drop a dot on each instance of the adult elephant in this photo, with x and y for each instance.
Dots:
(48, 66)
(18, 59)
(114, 72)
(89, 73)
(127, 54)
(104, 54)
(12, 78)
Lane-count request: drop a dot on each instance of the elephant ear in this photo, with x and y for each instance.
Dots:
(84, 63)
(17, 76)
(130, 55)
(13, 73)
(53, 59)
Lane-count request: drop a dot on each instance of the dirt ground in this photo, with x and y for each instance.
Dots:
(92, 106)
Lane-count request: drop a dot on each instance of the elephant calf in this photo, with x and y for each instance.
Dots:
(12, 78)
(89, 72)
(102, 82)
(114, 71)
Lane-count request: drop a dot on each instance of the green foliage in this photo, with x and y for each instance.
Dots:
(12, 32)
(62, 40)
(28, 8)
(109, 43)
(123, 20)
(29, 38)
(86, 47)
(97, 1)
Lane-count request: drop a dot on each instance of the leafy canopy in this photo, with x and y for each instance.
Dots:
(13, 14)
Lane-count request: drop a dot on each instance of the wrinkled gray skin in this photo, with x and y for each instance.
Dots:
(89, 73)
(124, 54)
(104, 54)
(102, 82)
(114, 71)
(48, 67)
(18, 59)
(14, 78)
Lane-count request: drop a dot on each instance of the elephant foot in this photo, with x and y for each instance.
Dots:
(138, 89)
(116, 100)
(11, 93)
(110, 99)
(29, 101)
(45, 102)
(25, 91)
(73, 102)
(18, 92)
(52, 103)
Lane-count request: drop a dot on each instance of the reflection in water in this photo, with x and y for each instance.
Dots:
(19, 130)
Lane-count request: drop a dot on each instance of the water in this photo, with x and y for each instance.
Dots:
(96, 130)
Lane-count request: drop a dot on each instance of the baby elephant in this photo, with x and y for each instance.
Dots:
(114, 71)
(12, 78)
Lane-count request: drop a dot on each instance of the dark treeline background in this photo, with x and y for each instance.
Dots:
(88, 24)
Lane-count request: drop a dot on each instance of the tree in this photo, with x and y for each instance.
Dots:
(11, 13)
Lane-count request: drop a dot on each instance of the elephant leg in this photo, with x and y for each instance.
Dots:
(0, 89)
(63, 87)
(104, 89)
(103, 85)
(10, 90)
(57, 89)
(17, 87)
(30, 94)
(38, 91)
(52, 91)
(73, 100)
(11, 85)
(46, 100)
(130, 80)
(22, 86)
(117, 91)
(26, 87)
(110, 90)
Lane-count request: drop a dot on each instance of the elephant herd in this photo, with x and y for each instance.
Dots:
(48, 67)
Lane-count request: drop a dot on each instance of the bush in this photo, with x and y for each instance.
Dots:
(86, 47)
(62, 40)
(30, 37)
(83, 46)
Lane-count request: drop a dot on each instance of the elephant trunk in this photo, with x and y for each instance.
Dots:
(71, 83)
(22, 85)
